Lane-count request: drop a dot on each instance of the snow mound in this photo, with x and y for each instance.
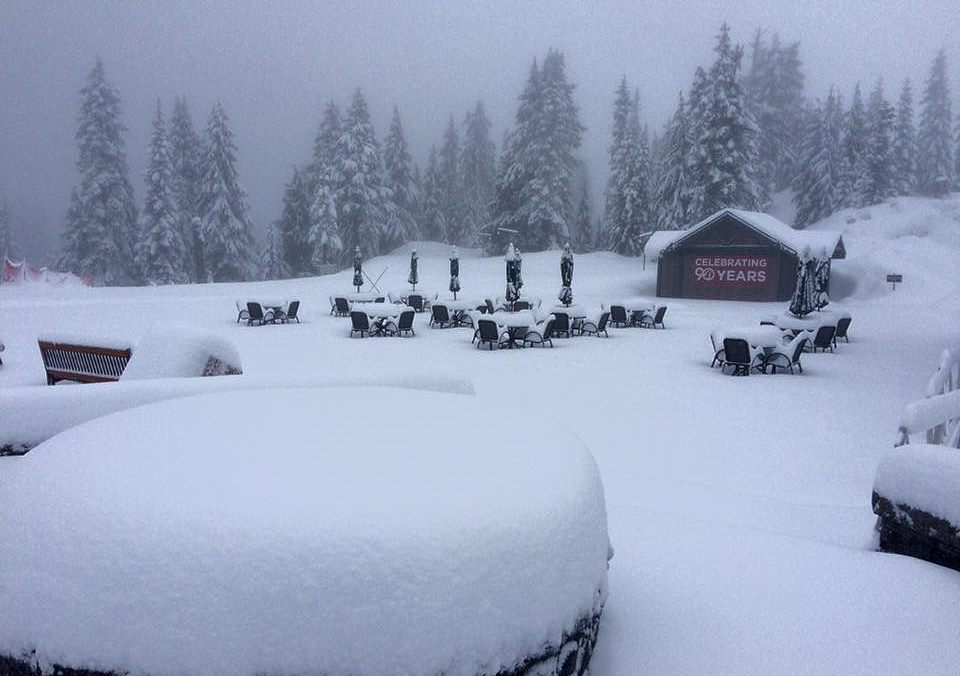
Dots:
(296, 532)
(179, 351)
(923, 476)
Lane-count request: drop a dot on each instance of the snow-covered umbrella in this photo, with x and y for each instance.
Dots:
(804, 297)
(518, 278)
(512, 273)
(566, 275)
(413, 278)
(454, 272)
(822, 280)
(357, 268)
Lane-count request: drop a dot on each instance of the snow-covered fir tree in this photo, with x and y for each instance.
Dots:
(161, 252)
(75, 241)
(633, 188)
(228, 242)
(433, 227)
(272, 265)
(361, 197)
(294, 226)
(877, 181)
(935, 161)
(619, 159)
(398, 169)
(696, 119)
(533, 204)
(185, 149)
(725, 157)
(325, 142)
(854, 150)
(821, 163)
(101, 235)
(581, 229)
(775, 92)
(674, 184)
(905, 144)
(324, 235)
(478, 172)
(451, 186)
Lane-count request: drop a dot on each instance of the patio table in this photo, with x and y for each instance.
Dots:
(767, 338)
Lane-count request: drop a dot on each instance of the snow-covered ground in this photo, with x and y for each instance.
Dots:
(739, 508)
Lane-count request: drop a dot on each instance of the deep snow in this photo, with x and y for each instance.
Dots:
(739, 508)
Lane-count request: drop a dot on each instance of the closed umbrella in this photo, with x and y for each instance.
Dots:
(518, 276)
(454, 272)
(822, 281)
(804, 297)
(512, 269)
(413, 278)
(566, 276)
(357, 268)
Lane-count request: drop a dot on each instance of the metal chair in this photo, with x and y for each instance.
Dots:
(589, 328)
(737, 353)
(488, 333)
(361, 324)
(824, 338)
(618, 315)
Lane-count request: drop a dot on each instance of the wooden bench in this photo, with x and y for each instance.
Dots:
(82, 363)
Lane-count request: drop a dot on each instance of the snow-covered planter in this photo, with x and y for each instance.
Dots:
(290, 531)
(181, 351)
(916, 497)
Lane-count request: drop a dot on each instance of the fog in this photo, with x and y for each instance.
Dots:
(274, 65)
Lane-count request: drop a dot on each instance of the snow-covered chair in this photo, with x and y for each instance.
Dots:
(789, 357)
(561, 325)
(541, 335)
(595, 328)
(742, 357)
(652, 321)
(824, 338)
(256, 314)
(618, 315)
(404, 324)
(719, 358)
(291, 313)
(360, 323)
(843, 325)
(242, 313)
(489, 333)
(341, 307)
(440, 316)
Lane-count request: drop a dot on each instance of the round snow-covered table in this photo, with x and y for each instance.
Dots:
(766, 337)
(185, 537)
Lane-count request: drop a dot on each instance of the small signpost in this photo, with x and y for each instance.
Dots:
(894, 279)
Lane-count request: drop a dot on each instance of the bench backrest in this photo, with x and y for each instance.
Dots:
(83, 363)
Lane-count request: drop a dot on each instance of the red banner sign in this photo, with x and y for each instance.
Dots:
(729, 270)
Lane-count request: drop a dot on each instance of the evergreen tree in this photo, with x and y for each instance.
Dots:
(161, 253)
(433, 227)
(822, 163)
(696, 164)
(102, 248)
(904, 144)
(533, 202)
(726, 157)
(399, 179)
(294, 226)
(581, 231)
(620, 152)
(325, 142)
(935, 162)
(775, 92)
(478, 172)
(634, 189)
(76, 244)
(362, 199)
(855, 150)
(272, 265)
(674, 186)
(877, 182)
(324, 235)
(451, 186)
(228, 242)
(185, 149)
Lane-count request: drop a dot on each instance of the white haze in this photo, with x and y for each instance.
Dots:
(275, 64)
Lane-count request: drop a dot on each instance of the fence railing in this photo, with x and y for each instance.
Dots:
(937, 416)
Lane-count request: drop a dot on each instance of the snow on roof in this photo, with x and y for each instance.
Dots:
(795, 240)
(279, 531)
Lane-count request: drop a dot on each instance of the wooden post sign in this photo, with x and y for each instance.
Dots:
(894, 279)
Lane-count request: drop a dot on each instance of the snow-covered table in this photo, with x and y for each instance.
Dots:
(765, 337)
(175, 539)
(811, 322)
(381, 310)
(460, 305)
(633, 305)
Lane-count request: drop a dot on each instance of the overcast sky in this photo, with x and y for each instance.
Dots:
(275, 63)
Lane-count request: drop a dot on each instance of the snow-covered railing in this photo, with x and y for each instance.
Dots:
(937, 415)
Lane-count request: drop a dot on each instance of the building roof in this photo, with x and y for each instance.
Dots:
(795, 240)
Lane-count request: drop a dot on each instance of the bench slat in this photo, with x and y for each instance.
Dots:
(82, 363)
